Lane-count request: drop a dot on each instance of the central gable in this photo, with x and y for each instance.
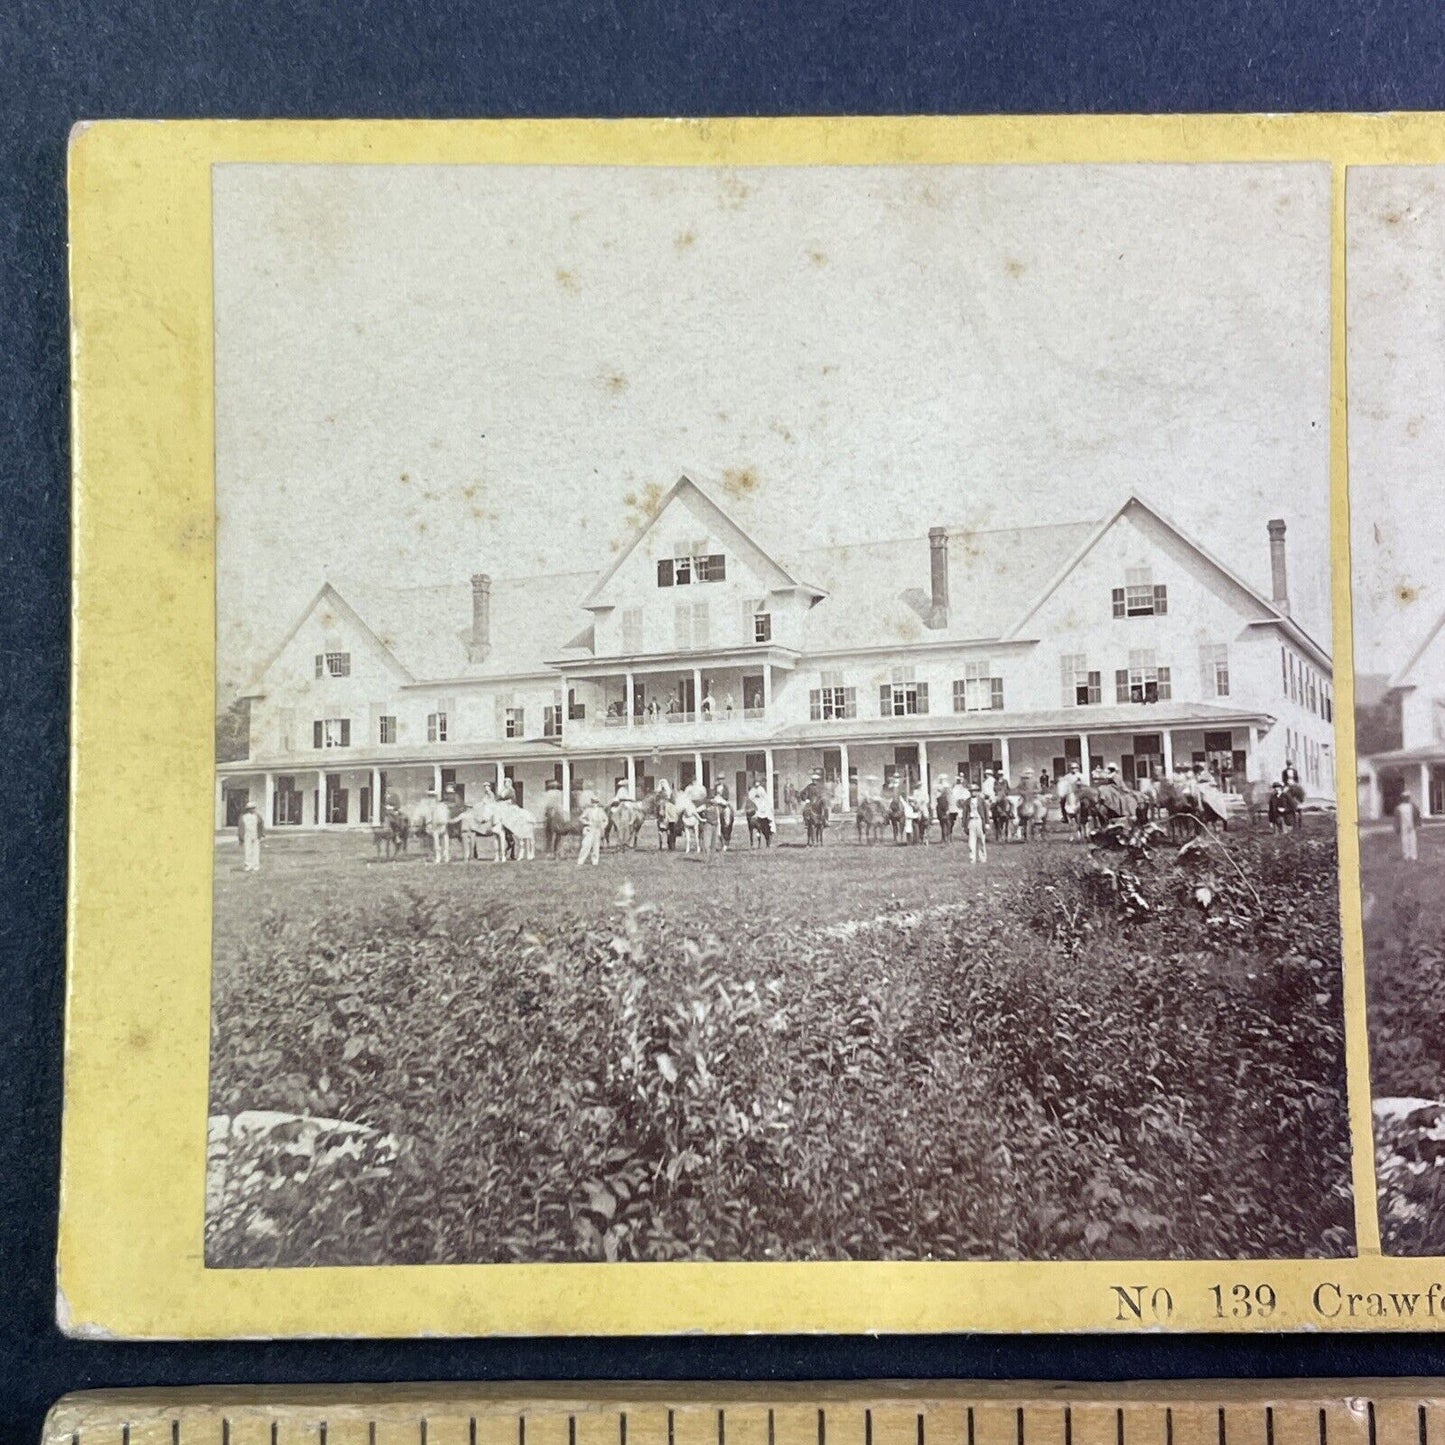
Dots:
(685, 536)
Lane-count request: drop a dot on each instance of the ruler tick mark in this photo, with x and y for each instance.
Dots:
(772, 1439)
(823, 1431)
(1324, 1429)
(471, 1430)
(1370, 1416)
(621, 1429)
(1119, 1427)
(671, 1437)
(1223, 1438)
(1424, 1433)
(867, 1427)
(571, 1430)
(970, 1425)
(920, 1427)
(1269, 1425)
(1068, 1426)
(1168, 1425)
(1018, 1425)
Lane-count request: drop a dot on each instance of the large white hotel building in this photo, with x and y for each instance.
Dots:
(699, 651)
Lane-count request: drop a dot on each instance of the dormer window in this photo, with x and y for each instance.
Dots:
(757, 619)
(333, 664)
(1140, 596)
(691, 562)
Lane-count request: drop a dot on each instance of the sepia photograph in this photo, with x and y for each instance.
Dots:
(1396, 299)
(787, 713)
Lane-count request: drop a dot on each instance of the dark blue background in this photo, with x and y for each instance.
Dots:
(61, 61)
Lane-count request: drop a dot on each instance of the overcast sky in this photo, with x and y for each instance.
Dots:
(1396, 309)
(424, 372)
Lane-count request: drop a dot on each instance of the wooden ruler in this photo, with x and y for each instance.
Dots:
(1337, 1412)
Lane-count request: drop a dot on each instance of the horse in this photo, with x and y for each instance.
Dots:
(1004, 812)
(758, 826)
(1102, 805)
(389, 837)
(624, 821)
(1032, 814)
(668, 813)
(1189, 810)
(943, 810)
(897, 816)
(557, 823)
(870, 819)
(690, 820)
(431, 817)
(502, 821)
(815, 820)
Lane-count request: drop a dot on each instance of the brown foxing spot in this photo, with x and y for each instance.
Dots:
(406, 479)
(642, 506)
(778, 429)
(1014, 267)
(614, 382)
(1406, 593)
(818, 258)
(1393, 218)
(735, 191)
(567, 280)
(740, 482)
(685, 240)
(139, 1040)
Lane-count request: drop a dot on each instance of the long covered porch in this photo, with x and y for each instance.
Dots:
(867, 764)
(1386, 777)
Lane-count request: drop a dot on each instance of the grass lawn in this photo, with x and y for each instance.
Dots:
(853, 1052)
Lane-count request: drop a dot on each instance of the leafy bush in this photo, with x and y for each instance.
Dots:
(1033, 1073)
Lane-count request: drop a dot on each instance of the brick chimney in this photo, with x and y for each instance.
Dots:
(479, 644)
(1279, 571)
(938, 576)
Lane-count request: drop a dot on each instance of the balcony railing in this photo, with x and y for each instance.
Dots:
(740, 718)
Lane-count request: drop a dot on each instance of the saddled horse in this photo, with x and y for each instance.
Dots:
(1099, 806)
(390, 836)
(1004, 813)
(624, 822)
(815, 819)
(502, 822)
(897, 817)
(1190, 809)
(759, 827)
(1032, 814)
(431, 818)
(870, 819)
(667, 810)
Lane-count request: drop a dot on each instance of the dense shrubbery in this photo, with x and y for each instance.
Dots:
(1405, 969)
(1044, 1072)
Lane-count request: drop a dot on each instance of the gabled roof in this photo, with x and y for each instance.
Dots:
(685, 487)
(328, 594)
(1272, 614)
(991, 577)
(1401, 679)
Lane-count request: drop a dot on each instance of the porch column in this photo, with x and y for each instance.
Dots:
(501, 778)
(923, 763)
(843, 754)
(1167, 740)
(269, 816)
(1251, 758)
(697, 767)
(220, 804)
(768, 765)
(697, 701)
(377, 810)
(628, 697)
(1424, 799)
(1003, 758)
(436, 778)
(1084, 756)
(566, 786)
(631, 776)
(321, 799)
(768, 691)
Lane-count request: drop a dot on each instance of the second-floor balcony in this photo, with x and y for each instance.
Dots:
(661, 725)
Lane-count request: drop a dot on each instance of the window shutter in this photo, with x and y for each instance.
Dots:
(996, 693)
(500, 704)
(1161, 599)
(1096, 687)
(815, 705)
(1121, 684)
(1118, 596)
(1165, 690)
(1066, 679)
(664, 572)
(346, 732)
(699, 624)
(885, 700)
(922, 697)
(320, 663)
(850, 702)
(318, 733)
(1206, 669)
